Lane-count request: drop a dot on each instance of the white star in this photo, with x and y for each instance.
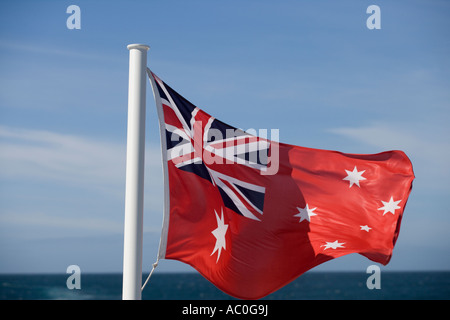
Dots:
(365, 228)
(333, 245)
(354, 177)
(305, 213)
(390, 206)
(219, 233)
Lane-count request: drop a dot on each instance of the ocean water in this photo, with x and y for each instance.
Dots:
(192, 286)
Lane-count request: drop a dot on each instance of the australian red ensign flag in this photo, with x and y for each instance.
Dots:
(252, 214)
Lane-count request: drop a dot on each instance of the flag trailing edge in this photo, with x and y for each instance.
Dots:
(251, 226)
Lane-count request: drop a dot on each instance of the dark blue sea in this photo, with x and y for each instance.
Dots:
(192, 286)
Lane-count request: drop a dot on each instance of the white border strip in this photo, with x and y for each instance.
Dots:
(162, 128)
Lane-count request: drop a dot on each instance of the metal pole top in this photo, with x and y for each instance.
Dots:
(138, 46)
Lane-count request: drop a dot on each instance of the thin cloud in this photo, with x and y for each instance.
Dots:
(60, 162)
(47, 155)
(69, 159)
(52, 51)
(64, 223)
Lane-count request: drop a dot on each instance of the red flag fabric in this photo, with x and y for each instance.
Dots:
(251, 214)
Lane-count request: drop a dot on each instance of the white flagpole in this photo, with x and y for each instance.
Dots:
(134, 185)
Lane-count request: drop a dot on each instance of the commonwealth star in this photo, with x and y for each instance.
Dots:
(219, 233)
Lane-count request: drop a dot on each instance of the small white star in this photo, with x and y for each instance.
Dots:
(354, 177)
(390, 206)
(365, 228)
(333, 245)
(305, 213)
(219, 233)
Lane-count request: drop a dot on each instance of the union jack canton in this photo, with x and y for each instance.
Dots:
(198, 143)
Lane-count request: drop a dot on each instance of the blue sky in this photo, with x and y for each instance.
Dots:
(311, 69)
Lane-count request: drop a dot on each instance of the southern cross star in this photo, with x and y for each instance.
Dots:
(305, 213)
(354, 177)
(333, 245)
(390, 206)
